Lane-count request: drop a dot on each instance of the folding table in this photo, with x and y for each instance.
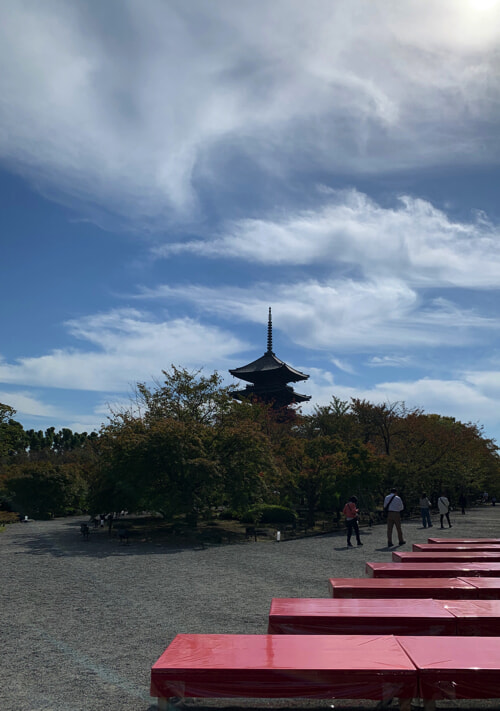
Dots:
(486, 588)
(491, 541)
(478, 618)
(456, 547)
(360, 616)
(446, 556)
(455, 667)
(284, 666)
(437, 588)
(432, 570)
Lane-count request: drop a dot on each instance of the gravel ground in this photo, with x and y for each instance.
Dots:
(82, 622)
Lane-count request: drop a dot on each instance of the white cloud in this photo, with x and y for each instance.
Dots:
(26, 404)
(342, 314)
(130, 347)
(458, 397)
(130, 106)
(413, 241)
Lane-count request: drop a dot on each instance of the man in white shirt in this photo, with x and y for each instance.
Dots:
(393, 506)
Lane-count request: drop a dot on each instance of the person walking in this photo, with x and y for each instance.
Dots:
(444, 510)
(351, 513)
(425, 510)
(393, 505)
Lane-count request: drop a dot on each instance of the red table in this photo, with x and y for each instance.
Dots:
(446, 557)
(486, 588)
(378, 616)
(465, 547)
(468, 541)
(284, 666)
(478, 618)
(456, 667)
(432, 570)
(437, 588)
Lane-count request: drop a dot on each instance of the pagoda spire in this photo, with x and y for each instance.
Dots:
(269, 377)
(269, 333)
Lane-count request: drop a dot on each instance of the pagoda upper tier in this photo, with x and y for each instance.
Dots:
(269, 376)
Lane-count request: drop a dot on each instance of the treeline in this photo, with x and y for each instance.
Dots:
(186, 447)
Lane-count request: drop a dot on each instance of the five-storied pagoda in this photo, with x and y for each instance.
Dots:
(269, 376)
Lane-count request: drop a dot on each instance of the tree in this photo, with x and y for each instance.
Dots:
(184, 396)
(12, 435)
(43, 489)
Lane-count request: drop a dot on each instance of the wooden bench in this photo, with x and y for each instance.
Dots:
(437, 588)
(375, 616)
(284, 666)
(446, 557)
(433, 570)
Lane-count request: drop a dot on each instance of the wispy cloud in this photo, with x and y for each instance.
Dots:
(341, 314)
(414, 241)
(120, 349)
(181, 89)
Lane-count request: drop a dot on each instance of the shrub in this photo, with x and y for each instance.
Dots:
(8, 517)
(269, 514)
(228, 515)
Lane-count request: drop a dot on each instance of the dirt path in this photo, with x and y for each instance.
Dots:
(82, 622)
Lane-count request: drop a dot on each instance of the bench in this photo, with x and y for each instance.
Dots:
(486, 588)
(253, 531)
(446, 557)
(284, 666)
(477, 618)
(437, 588)
(455, 667)
(376, 667)
(465, 541)
(375, 616)
(432, 570)
(455, 547)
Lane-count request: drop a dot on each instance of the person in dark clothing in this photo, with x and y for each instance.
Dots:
(351, 513)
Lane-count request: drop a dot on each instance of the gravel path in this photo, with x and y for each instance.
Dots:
(82, 622)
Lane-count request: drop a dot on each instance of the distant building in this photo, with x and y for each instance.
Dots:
(269, 377)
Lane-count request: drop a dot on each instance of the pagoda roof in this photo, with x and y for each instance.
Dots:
(280, 396)
(268, 367)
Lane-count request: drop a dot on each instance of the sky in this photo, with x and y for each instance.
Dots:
(169, 170)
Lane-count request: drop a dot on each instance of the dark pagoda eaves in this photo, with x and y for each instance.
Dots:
(266, 366)
(280, 397)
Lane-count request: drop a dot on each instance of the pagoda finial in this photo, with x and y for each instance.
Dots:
(269, 333)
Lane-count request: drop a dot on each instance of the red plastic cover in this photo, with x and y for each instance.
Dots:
(446, 556)
(478, 618)
(486, 588)
(274, 666)
(432, 570)
(464, 540)
(360, 616)
(441, 547)
(443, 588)
(456, 667)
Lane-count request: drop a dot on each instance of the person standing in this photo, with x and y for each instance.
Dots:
(463, 502)
(393, 505)
(425, 510)
(444, 510)
(351, 513)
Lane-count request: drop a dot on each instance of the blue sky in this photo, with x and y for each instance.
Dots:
(170, 169)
